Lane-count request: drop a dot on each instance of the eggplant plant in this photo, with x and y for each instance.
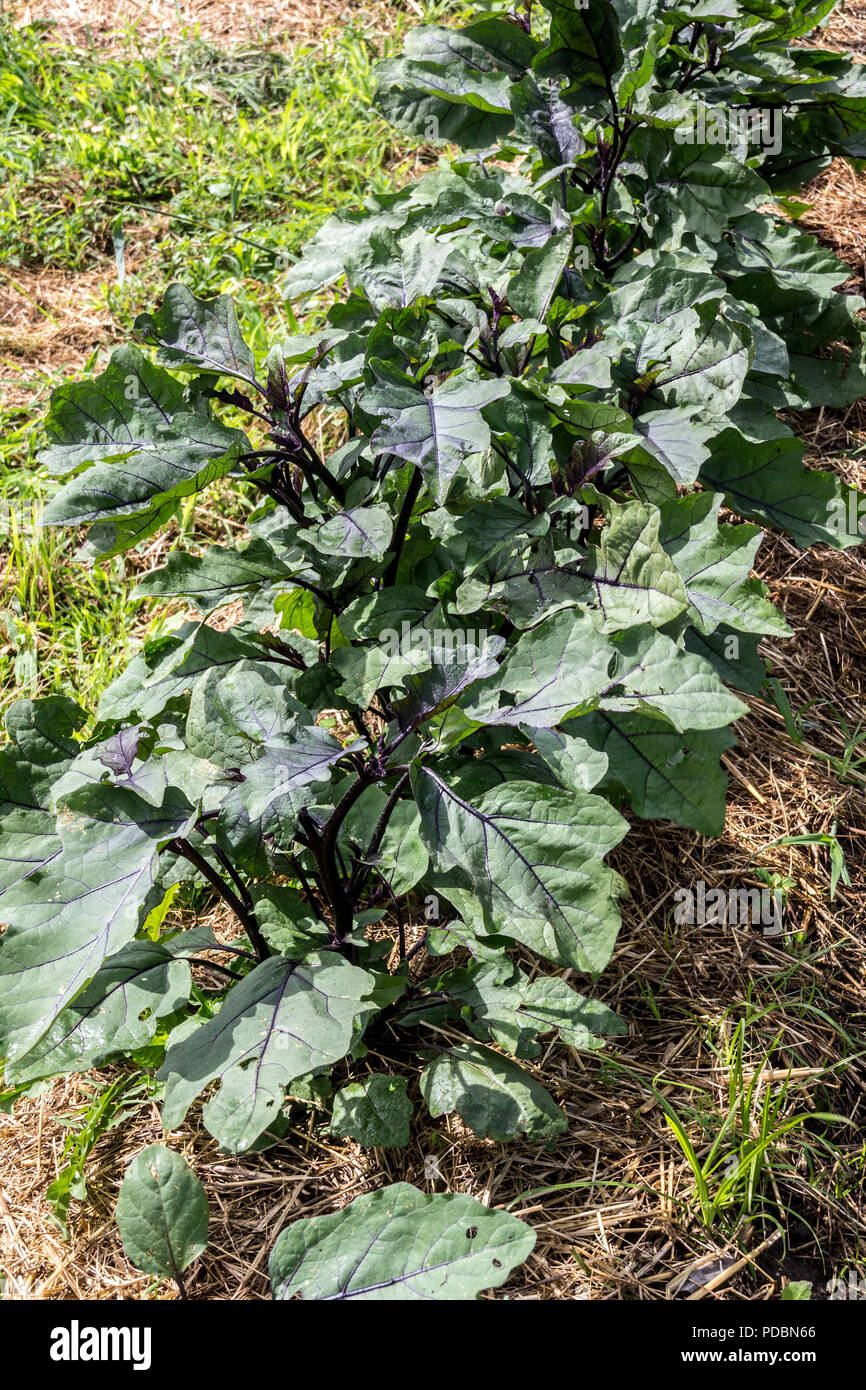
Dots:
(488, 541)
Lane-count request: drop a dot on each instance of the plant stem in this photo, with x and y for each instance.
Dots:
(324, 849)
(382, 823)
(244, 914)
(412, 491)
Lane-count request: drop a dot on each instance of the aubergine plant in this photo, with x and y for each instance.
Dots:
(488, 541)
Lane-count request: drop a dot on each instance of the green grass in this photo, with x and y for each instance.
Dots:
(174, 161)
(245, 153)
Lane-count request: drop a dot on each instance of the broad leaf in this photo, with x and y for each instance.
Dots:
(216, 577)
(399, 1243)
(162, 1213)
(139, 439)
(664, 775)
(203, 334)
(439, 431)
(358, 531)
(67, 918)
(283, 1021)
(116, 1013)
(495, 1097)
(534, 856)
(40, 749)
(376, 1112)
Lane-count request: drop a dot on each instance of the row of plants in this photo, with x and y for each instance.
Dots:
(490, 535)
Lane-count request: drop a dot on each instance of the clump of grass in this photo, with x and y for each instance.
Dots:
(245, 153)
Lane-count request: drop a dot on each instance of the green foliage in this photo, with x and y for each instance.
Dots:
(162, 1213)
(488, 531)
(107, 1108)
(399, 1243)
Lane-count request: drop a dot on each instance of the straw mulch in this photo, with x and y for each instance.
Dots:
(100, 23)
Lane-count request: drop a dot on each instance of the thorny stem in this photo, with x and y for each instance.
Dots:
(412, 491)
(382, 823)
(302, 452)
(378, 833)
(304, 882)
(213, 965)
(419, 946)
(323, 846)
(401, 926)
(243, 891)
(244, 913)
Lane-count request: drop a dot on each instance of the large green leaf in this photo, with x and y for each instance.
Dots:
(488, 528)
(281, 1022)
(67, 918)
(41, 747)
(550, 671)
(584, 47)
(216, 577)
(706, 366)
(284, 767)
(654, 675)
(399, 1244)
(625, 578)
(694, 188)
(116, 1013)
(665, 775)
(357, 531)
(454, 670)
(715, 563)
(767, 481)
(439, 431)
(534, 285)
(494, 1096)
(170, 666)
(401, 859)
(367, 669)
(140, 438)
(450, 86)
(235, 714)
(535, 857)
(396, 270)
(514, 1010)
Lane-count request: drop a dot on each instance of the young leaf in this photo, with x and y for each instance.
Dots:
(202, 334)
(495, 1097)
(162, 1213)
(375, 1112)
